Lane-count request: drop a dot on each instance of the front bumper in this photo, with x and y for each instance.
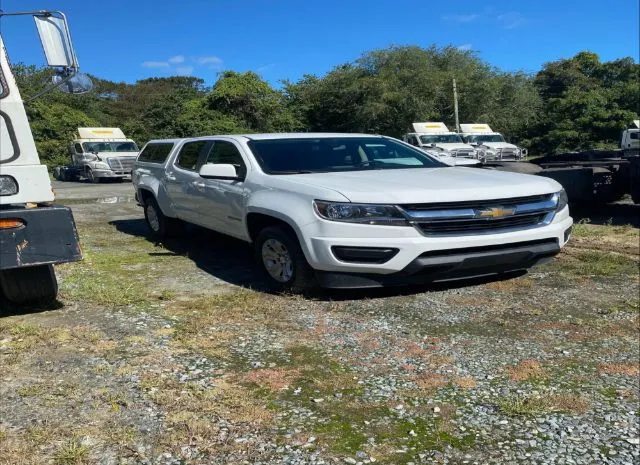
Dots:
(451, 265)
(322, 237)
(48, 235)
(112, 174)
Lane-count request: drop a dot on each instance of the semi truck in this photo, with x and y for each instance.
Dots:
(35, 234)
(490, 144)
(99, 154)
(436, 137)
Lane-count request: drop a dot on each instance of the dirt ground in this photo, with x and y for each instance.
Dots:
(176, 352)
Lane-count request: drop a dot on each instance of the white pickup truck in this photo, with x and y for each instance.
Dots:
(351, 210)
(489, 144)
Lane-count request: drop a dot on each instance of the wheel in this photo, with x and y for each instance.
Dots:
(29, 284)
(159, 224)
(90, 177)
(281, 259)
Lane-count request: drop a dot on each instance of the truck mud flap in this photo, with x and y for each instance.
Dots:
(44, 235)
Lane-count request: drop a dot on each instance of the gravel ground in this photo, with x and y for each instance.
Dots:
(175, 353)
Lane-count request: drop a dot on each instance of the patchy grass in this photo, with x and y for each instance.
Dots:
(530, 405)
(525, 370)
(71, 453)
(598, 264)
(627, 369)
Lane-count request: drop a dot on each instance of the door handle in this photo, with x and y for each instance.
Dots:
(171, 177)
(198, 185)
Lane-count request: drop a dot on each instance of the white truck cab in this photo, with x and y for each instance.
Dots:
(34, 234)
(99, 153)
(491, 145)
(437, 139)
(630, 141)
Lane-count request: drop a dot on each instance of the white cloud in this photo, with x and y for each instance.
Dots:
(209, 60)
(155, 64)
(264, 68)
(176, 59)
(511, 20)
(464, 47)
(461, 18)
(184, 70)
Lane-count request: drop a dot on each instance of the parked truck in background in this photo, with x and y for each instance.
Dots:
(490, 145)
(34, 233)
(436, 139)
(99, 154)
(591, 176)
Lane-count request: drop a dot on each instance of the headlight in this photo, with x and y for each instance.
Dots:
(387, 215)
(101, 166)
(8, 185)
(563, 200)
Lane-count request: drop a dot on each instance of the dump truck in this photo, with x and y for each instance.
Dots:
(99, 154)
(35, 234)
(490, 145)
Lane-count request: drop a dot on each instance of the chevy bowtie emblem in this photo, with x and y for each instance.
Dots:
(495, 212)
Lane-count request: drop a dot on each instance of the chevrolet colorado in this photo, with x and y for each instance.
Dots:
(351, 210)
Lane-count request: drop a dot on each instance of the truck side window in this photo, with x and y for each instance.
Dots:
(189, 154)
(155, 153)
(227, 152)
(78, 147)
(633, 135)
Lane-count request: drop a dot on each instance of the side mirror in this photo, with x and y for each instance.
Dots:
(79, 83)
(219, 171)
(56, 40)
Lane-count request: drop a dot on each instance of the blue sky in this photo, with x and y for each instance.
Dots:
(284, 39)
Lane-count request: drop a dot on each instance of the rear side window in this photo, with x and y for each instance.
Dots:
(190, 153)
(156, 152)
(633, 135)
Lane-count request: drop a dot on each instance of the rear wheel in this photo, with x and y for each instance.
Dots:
(159, 224)
(29, 284)
(281, 259)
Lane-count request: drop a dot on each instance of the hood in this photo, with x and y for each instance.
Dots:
(500, 145)
(451, 146)
(424, 185)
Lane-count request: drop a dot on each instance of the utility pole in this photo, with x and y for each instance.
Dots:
(455, 105)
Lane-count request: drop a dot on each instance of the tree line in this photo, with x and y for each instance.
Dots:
(570, 104)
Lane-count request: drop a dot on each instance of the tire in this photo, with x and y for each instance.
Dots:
(90, 177)
(29, 284)
(159, 224)
(294, 274)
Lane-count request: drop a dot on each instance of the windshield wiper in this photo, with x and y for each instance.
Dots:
(294, 172)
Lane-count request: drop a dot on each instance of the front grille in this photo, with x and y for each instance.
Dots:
(476, 225)
(481, 216)
(124, 164)
(468, 153)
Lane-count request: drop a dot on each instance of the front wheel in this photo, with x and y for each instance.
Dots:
(29, 284)
(92, 177)
(281, 259)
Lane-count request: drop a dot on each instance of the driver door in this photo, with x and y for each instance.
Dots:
(224, 200)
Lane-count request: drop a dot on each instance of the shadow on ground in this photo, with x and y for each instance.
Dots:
(614, 214)
(9, 309)
(232, 261)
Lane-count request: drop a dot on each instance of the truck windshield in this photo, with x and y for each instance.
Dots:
(475, 139)
(109, 147)
(334, 154)
(442, 139)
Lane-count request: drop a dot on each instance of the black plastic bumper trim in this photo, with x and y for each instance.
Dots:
(374, 255)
